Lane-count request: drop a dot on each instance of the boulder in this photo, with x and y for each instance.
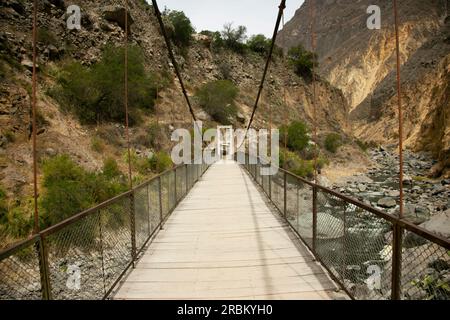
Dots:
(116, 14)
(324, 221)
(362, 187)
(416, 214)
(439, 224)
(386, 203)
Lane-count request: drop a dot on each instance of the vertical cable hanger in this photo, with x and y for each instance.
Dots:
(313, 49)
(400, 111)
(34, 129)
(285, 99)
(127, 130)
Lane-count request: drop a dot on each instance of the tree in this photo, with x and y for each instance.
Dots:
(297, 135)
(183, 29)
(302, 60)
(234, 38)
(217, 99)
(259, 44)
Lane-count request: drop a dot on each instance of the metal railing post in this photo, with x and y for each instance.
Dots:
(133, 228)
(160, 204)
(148, 211)
(270, 186)
(285, 195)
(187, 179)
(44, 269)
(175, 181)
(396, 262)
(314, 219)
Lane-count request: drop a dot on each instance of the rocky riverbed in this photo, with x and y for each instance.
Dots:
(425, 198)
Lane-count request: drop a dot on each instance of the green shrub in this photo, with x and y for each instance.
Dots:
(19, 221)
(156, 136)
(70, 189)
(293, 163)
(217, 99)
(261, 45)
(111, 169)
(160, 162)
(65, 189)
(303, 61)
(46, 36)
(182, 27)
(96, 93)
(332, 142)
(97, 144)
(297, 136)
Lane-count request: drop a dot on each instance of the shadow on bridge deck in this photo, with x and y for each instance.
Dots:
(226, 241)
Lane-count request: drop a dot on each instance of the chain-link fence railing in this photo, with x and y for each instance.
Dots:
(369, 253)
(85, 256)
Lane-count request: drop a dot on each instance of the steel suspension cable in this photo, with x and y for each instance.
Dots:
(281, 8)
(173, 60)
(34, 129)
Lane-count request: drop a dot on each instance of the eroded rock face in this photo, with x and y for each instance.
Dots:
(116, 14)
(361, 62)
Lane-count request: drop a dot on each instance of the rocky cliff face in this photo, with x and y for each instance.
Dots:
(102, 24)
(361, 62)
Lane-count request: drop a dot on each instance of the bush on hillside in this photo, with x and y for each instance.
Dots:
(217, 99)
(332, 142)
(303, 61)
(182, 31)
(297, 136)
(96, 93)
(70, 189)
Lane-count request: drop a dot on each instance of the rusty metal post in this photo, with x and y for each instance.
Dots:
(344, 247)
(396, 262)
(270, 186)
(160, 203)
(285, 194)
(148, 211)
(133, 228)
(175, 182)
(187, 178)
(44, 269)
(314, 219)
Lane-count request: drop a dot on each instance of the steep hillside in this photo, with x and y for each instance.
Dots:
(60, 132)
(361, 62)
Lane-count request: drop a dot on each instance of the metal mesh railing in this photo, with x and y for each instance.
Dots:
(19, 272)
(369, 253)
(85, 256)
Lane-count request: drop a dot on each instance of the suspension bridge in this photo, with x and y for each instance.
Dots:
(223, 231)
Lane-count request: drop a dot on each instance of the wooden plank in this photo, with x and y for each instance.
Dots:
(224, 241)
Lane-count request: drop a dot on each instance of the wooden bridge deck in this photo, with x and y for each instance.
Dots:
(224, 241)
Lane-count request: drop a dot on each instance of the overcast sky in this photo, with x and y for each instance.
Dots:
(259, 16)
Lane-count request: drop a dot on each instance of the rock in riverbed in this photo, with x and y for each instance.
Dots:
(386, 203)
